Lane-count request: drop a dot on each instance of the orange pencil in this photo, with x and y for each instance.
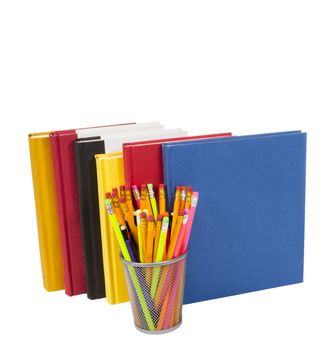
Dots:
(164, 310)
(161, 198)
(143, 198)
(188, 197)
(144, 201)
(128, 197)
(176, 207)
(182, 198)
(116, 206)
(115, 191)
(129, 218)
(121, 191)
(174, 235)
(150, 238)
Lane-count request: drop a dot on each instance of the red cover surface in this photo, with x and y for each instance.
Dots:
(143, 161)
(68, 210)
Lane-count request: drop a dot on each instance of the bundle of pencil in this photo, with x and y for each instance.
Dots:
(142, 225)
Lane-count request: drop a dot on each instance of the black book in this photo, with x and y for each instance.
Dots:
(85, 150)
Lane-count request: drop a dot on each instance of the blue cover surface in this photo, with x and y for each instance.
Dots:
(248, 233)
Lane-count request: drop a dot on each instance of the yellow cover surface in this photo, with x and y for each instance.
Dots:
(46, 211)
(110, 174)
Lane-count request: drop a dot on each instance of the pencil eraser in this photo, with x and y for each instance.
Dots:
(122, 200)
(161, 185)
(181, 212)
(143, 187)
(127, 187)
(159, 217)
(178, 188)
(115, 190)
(108, 195)
(143, 215)
(151, 218)
(165, 214)
(189, 189)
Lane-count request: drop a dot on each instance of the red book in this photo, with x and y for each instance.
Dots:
(68, 212)
(68, 209)
(143, 161)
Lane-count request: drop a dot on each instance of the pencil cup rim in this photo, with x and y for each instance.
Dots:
(161, 263)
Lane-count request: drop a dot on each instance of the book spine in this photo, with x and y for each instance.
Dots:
(58, 176)
(46, 214)
(89, 216)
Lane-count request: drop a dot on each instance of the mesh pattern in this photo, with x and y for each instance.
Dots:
(156, 293)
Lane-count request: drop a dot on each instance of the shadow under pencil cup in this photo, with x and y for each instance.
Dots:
(156, 293)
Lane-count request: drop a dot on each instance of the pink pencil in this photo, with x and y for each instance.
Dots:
(194, 202)
(180, 238)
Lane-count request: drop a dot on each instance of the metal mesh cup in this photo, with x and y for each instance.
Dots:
(156, 293)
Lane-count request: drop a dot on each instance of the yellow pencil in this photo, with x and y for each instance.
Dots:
(160, 257)
(166, 215)
(150, 238)
(152, 200)
(162, 241)
(157, 234)
(140, 237)
(143, 217)
(116, 229)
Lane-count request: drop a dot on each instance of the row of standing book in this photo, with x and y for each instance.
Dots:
(249, 229)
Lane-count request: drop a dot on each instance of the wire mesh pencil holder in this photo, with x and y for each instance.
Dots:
(156, 293)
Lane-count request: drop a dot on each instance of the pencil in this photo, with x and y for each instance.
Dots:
(136, 195)
(116, 207)
(152, 200)
(129, 218)
(182, 198)
(161, 198)
(128, 197)
(143, 217)
(121, 191)
(176, 207)
(150, 239)
(174, 235)
(188, 197)
(157, 234)
(140, 236)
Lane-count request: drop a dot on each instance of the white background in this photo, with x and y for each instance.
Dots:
(206, 66)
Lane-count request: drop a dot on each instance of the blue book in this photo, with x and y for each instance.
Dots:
(248, 233)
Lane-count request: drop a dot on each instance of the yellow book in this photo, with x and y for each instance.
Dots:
(46, 211)
(110, 174)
